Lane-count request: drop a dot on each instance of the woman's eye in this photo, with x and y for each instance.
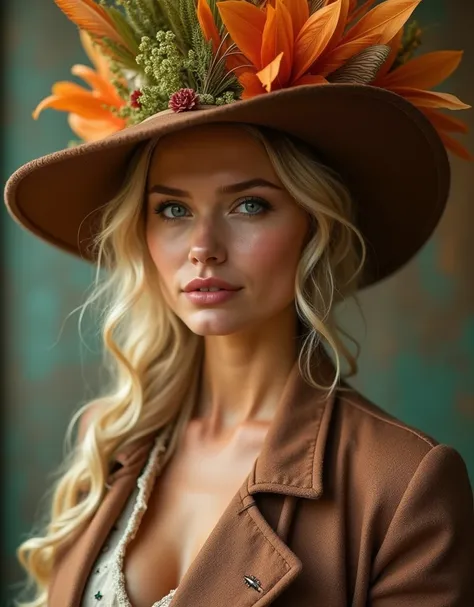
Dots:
(252, 207)
(171, 210)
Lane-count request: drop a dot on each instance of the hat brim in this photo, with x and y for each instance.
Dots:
(389, 155)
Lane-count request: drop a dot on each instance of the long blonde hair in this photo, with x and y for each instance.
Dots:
(153, 360)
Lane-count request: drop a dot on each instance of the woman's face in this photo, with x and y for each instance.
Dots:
(217, 212)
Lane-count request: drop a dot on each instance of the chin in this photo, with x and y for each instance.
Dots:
(209, 323)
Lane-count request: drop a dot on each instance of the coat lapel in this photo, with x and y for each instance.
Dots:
(244, 561)
(242, 548)
(75, 561)
(244, 543)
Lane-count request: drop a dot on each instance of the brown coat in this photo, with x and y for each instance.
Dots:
(345, 506)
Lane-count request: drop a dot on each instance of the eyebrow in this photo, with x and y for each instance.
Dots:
(225, 189)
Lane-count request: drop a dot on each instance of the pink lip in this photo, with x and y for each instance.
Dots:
(210, 297)
(207, 283)
(192, 292)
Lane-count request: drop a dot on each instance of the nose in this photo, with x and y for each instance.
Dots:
(207, 245)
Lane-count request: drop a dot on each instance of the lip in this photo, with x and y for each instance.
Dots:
(227, 291)
(207, 283)
(203, 298)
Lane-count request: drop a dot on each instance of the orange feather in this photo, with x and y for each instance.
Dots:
(314, 37)
(103, 88)
(454, 146)
(251, 83)
(430, 99)
(444, 122)
(379, 26)
(299, 11)
(341, 26)
(245, 23)
(388, 63)
(278, 39)
(425, 71)
(270, 72)
(384, 21)
(93, 18)
(93, 130)
(64, 88)
(86, 106)
(208, 26)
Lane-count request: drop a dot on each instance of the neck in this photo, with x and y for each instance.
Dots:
(244, 375)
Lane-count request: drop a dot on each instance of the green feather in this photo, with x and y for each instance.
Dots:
(120, 54)
(216, 15)
(124, 29)
(172, 14)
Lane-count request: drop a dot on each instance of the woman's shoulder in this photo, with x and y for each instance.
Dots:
(381, 451)
(368, 418)
(393, 472)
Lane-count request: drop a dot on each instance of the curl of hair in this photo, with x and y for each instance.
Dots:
(154, 360)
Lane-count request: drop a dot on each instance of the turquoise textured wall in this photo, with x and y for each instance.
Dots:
(417, 346)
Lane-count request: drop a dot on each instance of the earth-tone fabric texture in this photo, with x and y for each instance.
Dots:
(345, 505)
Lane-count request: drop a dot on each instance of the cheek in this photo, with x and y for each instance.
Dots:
(166, 254)
(274, 252)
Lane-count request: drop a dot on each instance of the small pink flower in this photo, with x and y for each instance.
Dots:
(183, 100)
(134, 98)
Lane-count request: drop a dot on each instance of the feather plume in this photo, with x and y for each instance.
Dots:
(383, 21)
(431, 99)
(89, 16)
(299, 12)
(394, 50)
(378, 26)
(446, 123)
(245, 24)
(270, 72)
(363, 68)
(426, 71)
(314, 37)
(315, 5)
(208, 24)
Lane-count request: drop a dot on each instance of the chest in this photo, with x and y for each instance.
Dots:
(187, 501)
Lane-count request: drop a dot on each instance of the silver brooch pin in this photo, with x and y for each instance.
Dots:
(252, 582)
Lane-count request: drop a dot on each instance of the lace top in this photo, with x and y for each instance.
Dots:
(106, 582)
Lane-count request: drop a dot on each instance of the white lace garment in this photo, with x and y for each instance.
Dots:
(105, 586)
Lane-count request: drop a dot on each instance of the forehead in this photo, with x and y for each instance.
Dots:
(209, 150)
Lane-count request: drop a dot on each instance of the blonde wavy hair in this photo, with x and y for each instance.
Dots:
(154, 361)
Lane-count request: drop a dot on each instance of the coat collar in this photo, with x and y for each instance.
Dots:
(291, 459)
(290, 463)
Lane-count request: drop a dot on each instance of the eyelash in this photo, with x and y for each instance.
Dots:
(166, 204)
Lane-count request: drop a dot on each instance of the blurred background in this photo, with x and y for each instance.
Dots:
(417, 358)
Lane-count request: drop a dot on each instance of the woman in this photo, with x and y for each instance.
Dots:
(228, 462)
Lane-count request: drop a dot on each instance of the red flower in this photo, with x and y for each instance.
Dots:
(134, 98)
(183, 100)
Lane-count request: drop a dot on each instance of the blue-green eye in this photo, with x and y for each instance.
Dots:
(171, 210)
(253, 206)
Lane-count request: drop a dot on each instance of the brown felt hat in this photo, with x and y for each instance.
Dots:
(388, 154)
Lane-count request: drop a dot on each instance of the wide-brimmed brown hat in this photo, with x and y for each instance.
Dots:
(388, 153)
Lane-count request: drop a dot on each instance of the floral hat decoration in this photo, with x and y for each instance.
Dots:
(344, 77)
